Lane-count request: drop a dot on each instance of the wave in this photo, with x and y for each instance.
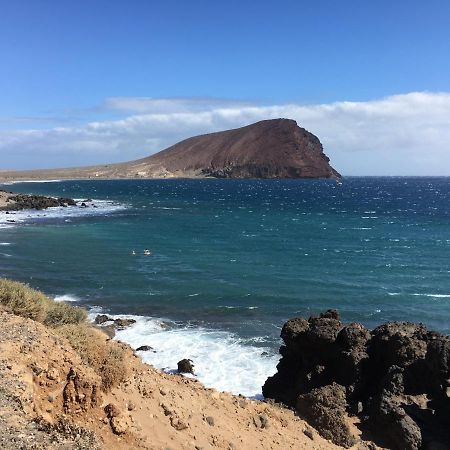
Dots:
(417, 294)
(221, 360)
(7, 183)
(433, 295)
(94, 208)
(66, 298)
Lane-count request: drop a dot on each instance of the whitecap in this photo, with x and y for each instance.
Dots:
(94, 208)
(66, 298)
(432, 295)
(221, 360)
(28, 181)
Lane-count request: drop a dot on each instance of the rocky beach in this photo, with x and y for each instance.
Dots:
(10, 201)
(337, 386)
(53, 393)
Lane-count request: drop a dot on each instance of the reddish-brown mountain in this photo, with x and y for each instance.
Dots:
(276, 148)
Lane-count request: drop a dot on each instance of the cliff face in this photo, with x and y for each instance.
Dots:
(276, 148)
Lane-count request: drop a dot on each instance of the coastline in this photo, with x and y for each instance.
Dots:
(176, 422)
(147, 409)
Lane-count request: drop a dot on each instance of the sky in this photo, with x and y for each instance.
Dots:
(92, 82)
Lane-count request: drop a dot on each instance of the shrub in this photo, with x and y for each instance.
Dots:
(64, 314)
(18, 298)
(107, 358)
(21, 300)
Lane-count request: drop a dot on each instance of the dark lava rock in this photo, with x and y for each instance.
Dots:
(120, 324)
(24, 201)
(102, 318)
(325, 409)
(185, 366)
(395, 378)
(144, 348)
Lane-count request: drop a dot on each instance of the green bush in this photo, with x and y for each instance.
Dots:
(18, 298)
(64, 314)
(21, 300)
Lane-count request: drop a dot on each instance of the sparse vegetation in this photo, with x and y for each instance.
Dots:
(107, 358)
(64, 314)
(22, 300)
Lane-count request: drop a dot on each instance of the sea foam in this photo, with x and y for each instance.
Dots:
(221, 360)
(66, 298)
(94, 208)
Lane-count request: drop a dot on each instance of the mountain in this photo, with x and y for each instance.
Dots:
(276, 148)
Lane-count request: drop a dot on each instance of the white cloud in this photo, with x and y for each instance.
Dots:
(399, 135)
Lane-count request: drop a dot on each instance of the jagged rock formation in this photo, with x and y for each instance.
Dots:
(395, 378)
(276, 148)
(16, 202)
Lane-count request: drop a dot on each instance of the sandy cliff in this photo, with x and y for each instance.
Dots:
(51, 399)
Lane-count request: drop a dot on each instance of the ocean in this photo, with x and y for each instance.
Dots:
(232, 260)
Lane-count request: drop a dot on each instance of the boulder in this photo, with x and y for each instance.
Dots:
(185, 366)
(144, 348)
(396, 378)
(102, 318)
(121, 324)
(325, 409)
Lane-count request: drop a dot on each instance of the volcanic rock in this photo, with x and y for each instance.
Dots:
(395, 378)
(144, 348)
(185, 366)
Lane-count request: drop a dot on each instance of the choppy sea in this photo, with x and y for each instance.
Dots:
(232, 260)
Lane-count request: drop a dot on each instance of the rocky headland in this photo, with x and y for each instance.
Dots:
(10, 201)
(395, 379)
(276, 148)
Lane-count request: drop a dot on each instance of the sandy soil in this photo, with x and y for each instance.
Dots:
(4, 197)
(39, 407)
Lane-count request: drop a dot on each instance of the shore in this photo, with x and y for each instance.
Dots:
(52, 398)
(10, 201)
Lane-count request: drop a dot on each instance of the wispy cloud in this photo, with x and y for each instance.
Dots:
(402, 134)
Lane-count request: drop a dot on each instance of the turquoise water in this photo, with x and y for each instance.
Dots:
(239, 257)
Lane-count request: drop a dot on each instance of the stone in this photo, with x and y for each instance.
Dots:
(121, 324)
(119, 425)
(144, 348)
(325, 409)
(382, 376)
(112, 410)
(185, 366)
(102, 318)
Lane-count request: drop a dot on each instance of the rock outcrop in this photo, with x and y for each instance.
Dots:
(17, 202)
(396, 379)
(276, 148)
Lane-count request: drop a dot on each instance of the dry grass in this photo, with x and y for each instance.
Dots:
(64, 314)
(21, 300)
(107, 358)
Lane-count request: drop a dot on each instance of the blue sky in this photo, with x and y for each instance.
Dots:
(71, 64)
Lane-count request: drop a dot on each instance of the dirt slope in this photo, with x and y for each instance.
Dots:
(50, 400)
